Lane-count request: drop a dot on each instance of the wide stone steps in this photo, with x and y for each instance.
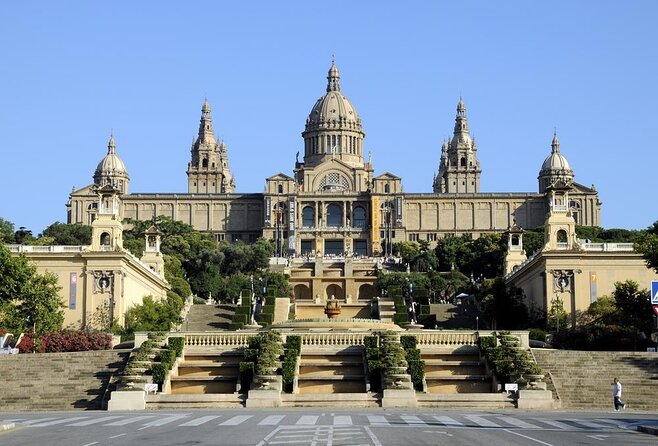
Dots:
(351, 400)
(448, 372)
(331, 372)
(205, 372)
(584, 379)
(58, 381)
(209, 317)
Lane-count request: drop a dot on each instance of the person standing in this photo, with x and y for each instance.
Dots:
(616, 394)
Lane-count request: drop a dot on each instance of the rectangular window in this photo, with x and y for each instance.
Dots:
(413, 236)
(431, 237)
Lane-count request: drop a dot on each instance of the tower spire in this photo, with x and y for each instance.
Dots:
(555, 145)
(206, 134)
(461, 122)
(333, 77)
(111, 145)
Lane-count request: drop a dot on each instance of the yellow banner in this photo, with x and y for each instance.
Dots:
(374, 233)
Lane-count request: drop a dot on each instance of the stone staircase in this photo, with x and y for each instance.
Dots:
(203, 378)
(331, 377)
(208, 317)
(331, 372)
(447, 371)
(583, 379)
(386, 309)
(58, 381)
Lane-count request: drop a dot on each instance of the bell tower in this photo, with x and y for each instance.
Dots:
(459, 168)
(106, 229)
(208, 171)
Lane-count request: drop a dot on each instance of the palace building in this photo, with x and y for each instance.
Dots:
(332, 204)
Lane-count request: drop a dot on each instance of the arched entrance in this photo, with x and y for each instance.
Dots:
(336, 291)
(302, 292)
(367, 291)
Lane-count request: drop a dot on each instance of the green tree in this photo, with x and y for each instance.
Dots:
(151, 316)
(41, 306)
(67, 234)
(647, 245)
(633, 306)
(28, 301)
(6, 231)
(502, 305)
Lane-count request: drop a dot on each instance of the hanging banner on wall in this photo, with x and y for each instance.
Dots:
(73, 286)
(374, 227)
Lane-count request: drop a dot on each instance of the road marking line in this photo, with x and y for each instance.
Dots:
(412, 420)
(518, 423)
(65, 420)
(438, 432)
(599, 437)
(481, 421)
(200, 421)
(164, 420)
(589, 424)
(89, 444)
(120, 435)
(265, 440)
(342, 419)
(448, 421)
(307, 419)
(558, 424)
(129, 420)
(95, 420)
(377, 420)
(373, 438)
(271, 420)
(238, 419)
(529, 438)
(27, 423)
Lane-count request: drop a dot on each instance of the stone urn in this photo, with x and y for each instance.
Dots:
(332, 308)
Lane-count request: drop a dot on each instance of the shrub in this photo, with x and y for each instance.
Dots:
(408, 342)
(537, 334)
(246, 375)
(370, 342)
(198, 300)
(289, 367)
(176, 344)
(167, 358)
(65, 341)
(159, 371)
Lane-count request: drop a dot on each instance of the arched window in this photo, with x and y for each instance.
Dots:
(462, 162)
(105, 239)
(575, 211)
(308, 217)
(359, 217)
(334, 215)
(387, 189)
(280, 188)
(204, 163)
(562, 239)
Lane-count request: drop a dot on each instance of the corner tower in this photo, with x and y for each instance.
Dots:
(459, 168)
(208, 171)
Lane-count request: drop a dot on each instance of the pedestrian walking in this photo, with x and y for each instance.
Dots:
(616, 394)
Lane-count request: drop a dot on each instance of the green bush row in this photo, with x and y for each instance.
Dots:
(176, 344)
(416, 366)
(289, 367)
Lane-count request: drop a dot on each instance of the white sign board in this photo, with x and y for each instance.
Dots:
(654, 292)
(511, 387)
(151, 388)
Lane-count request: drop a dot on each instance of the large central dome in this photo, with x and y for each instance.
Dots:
(333, 110)
(333, 128)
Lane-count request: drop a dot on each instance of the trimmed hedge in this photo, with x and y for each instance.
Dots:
(373, 362)
(416, 366)
(176, 344)
(293, 347)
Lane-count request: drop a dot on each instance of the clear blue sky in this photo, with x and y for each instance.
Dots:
(72, 71)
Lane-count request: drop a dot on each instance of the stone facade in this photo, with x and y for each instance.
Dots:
(102, 278)
(333, 204)
(567, 271)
